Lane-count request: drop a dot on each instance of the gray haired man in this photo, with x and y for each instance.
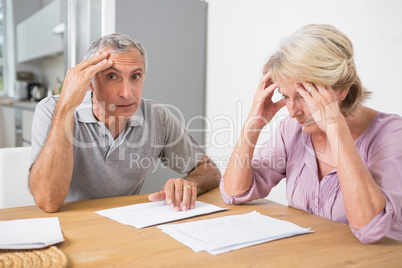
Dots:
(84, 141)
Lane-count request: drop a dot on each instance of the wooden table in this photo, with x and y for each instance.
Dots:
(95, 241)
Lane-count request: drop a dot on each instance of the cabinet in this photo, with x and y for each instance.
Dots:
(7, 126)
(16, 125)
(27, 118)
(35, 37)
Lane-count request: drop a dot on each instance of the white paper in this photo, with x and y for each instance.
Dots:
(153, 213)
(30, 233)
(228, 233)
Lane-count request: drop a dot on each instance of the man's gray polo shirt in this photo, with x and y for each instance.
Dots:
(104, 167)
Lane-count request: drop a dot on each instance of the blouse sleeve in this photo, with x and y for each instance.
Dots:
(385, 165)
(268, 168)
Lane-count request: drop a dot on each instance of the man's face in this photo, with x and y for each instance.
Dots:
(118, 89)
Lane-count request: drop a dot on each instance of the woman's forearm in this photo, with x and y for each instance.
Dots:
(362, 197)
(238, 174)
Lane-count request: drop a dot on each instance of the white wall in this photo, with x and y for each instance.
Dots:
(242, 34)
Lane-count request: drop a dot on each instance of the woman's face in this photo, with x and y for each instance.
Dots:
(297, 107)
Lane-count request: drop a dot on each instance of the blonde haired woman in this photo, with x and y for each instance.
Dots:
(341, 159)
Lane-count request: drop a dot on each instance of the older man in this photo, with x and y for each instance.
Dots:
(91, 143)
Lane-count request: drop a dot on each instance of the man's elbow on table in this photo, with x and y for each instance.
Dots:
(49, 205)
(46, 202)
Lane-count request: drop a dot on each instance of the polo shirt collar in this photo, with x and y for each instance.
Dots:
(85, 115)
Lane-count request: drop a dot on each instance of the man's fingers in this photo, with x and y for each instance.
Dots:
(193, 197)
(179, 192)
(86, 70)
(178, 195)
(90, 67)
(169, 191)
(187, 197)
(91, 70)
(159, 196)
(95, 59)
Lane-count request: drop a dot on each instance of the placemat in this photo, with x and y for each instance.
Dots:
(45, 257)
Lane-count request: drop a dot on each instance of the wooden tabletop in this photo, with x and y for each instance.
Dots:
(92, 240)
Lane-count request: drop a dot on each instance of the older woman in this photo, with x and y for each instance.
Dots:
(341, 160)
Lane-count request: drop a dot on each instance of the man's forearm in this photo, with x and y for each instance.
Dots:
(50, 174)
(206, 175)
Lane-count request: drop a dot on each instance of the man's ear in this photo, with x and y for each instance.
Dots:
(91, 86)
(342, 93)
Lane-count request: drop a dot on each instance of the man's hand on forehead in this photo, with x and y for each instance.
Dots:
(78, 78)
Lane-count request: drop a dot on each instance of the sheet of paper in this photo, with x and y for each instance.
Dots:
(228, 233)
(30, 233)
(153, 213)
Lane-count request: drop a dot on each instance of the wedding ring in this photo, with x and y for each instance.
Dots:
(309, 89)
(187, 186)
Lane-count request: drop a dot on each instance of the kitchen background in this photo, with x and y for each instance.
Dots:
(56, 36)
(205, 57)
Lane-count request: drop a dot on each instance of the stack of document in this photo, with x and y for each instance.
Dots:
(228, 233)
(153, 213)
(30, 233)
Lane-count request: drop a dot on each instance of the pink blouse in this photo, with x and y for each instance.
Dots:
(289, 153)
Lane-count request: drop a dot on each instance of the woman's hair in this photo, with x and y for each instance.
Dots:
(323, 55)
(118, 43)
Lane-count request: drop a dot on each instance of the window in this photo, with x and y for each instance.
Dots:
(1, 46)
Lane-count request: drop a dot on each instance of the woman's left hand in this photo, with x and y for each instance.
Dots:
(322, 102)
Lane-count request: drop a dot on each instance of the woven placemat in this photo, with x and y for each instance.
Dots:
(45, 257)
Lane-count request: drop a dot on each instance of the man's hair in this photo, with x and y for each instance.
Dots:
(118, 43)
(323, 55)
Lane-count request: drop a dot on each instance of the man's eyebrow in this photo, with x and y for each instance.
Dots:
(117, 71)
(138, 69)
(110, 68)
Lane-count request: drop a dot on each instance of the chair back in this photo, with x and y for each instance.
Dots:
(14, 168)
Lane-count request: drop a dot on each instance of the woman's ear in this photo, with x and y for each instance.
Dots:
(342, 93)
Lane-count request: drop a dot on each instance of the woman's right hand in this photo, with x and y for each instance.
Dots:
(239, 177)
(264, 109)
